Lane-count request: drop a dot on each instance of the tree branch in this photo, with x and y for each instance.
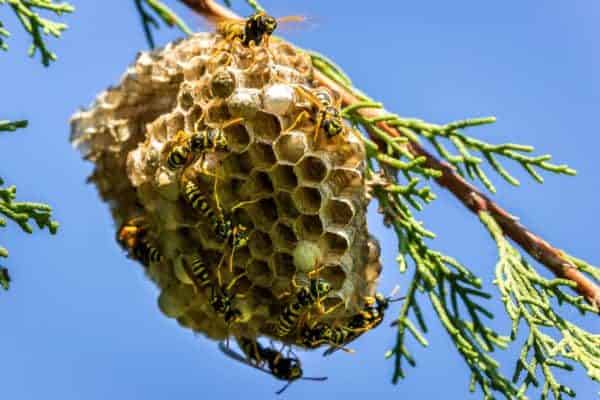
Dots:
(554, 259)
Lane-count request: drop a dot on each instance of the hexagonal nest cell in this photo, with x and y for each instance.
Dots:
(250, 190)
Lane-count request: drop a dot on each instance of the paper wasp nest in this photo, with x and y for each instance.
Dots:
(301, 199)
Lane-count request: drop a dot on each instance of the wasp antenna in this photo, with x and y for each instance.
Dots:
(234, 280)
(396, 299)
(245, 203)
(314, 378)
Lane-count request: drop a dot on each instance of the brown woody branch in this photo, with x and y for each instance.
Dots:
(469, 195)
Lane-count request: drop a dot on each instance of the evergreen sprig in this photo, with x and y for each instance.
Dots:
(455, 294)
(20, 212)
(469, 165)
(527, 298)
(27, 12)
(157, 9)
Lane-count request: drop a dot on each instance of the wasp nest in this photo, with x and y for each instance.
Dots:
(297, 196)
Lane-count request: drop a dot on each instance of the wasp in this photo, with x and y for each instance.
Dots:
(314, 337)
(199, 272)
(306, 297)
(133, 236)
(254, 29)
(220, 300)
(329, 120)
(179, 152)
(212, 138)
(222, 303)
(198, 199)
(368, 318)
(186, 146)
(269, 361)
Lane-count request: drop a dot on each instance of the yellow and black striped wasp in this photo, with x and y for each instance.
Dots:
(198, 199)
(219, 298)
(329, 120)
(133, 237)
(185, 146)
(305, 298)
(255, 29)
(368, 318)
(196, 192)
(283, 368)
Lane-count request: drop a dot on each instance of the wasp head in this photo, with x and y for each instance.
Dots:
(267, 23)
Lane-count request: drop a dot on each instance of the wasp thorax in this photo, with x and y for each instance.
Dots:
(252, 208)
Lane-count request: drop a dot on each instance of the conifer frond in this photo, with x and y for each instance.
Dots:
(20, 212)
(28, 14)
(527, 298)
(157, 9)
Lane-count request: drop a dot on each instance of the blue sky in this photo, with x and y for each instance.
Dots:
(81, 321)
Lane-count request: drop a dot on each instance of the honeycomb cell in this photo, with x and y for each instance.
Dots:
(222, 83)
(338, 212)
(283, 265)
(220, 60)
(291, 147)
(278, 99)
(260, 184)
(335, 275)
(174, 123)
(230, 193)
(258, 73)
(307, 255)
(175, 300)
(332, 303)
(242, 217)
(238, 165)
(335, 243)
(262, 155)
(285, 206)
(195, 68)
(241, 286)
(241, 257)
(186, 100)
(260, 245)
(372, 271)
(260, 274)
(193, 119)
(311, 170)
(345, 180)
(217, 113)
(374, 250)
(265, 126)
(244, 103)
(237, 138)
(284, 178)
(281, 289)
(284, 236)
(263, 213)
(309, 227)
(307, 200)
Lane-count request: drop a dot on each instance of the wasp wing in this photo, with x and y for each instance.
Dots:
(238, 357)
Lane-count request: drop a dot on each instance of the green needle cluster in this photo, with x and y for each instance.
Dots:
(149, 10)
(527, 298)
(20, 212)
(28, 14)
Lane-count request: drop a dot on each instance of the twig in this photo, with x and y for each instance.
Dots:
(554, 259)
